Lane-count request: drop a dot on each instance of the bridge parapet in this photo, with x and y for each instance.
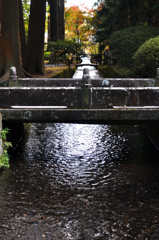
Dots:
(118, 115)
(69, 82)
(74, 97)
(87, 64)
(28, 99)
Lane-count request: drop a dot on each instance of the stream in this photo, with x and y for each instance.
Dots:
(81, 182)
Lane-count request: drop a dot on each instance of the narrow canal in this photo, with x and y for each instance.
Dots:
(81, 182)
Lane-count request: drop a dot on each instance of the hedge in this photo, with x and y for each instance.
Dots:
(111, 71)
(124, 43)
(146, 59)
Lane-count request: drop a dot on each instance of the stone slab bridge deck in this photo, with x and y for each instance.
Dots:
(108, 101)
(87, 64)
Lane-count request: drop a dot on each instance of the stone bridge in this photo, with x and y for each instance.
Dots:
(103, 100)
(87, 64)
(108, 101)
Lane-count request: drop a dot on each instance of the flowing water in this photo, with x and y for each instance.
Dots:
(92, 70)
(81, 182)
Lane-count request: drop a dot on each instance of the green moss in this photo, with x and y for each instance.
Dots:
(4, 158)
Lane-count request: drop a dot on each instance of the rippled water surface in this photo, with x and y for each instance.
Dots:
(76, 181)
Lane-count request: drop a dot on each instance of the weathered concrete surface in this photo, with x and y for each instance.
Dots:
(103, 97)
(37, 96)
(69, 82)
(72, 97)
(127, 82)
(86, 64)
(106, 116)
(45, 82)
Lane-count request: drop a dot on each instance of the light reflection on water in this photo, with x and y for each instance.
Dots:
(81, 182)
(77, 151)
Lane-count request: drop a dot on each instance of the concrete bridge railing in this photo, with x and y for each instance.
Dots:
(103, 100)
(75, 100)
(81, 96)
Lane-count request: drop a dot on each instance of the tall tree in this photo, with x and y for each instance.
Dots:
(75, 23)
(57, 20)
(22, 31)
(9, 38)
(34, 59)
(54, 20)
(62, 19)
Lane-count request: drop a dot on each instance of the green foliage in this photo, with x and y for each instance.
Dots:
(111, 71)
(113, 15)
(66, 46)
(4, 133)
(63, 50)
(146, 59)
(4, 158)
(26, 12)
(47, 55)
(124, 43)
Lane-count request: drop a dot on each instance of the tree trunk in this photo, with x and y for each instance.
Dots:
(49, 37)
(54, 20)
(9, 38)
(34, 59)
(22, 31)
(62, 19)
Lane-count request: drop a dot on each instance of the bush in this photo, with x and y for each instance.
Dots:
(124, 43)
(111, 71)
(47, 55)
(64, 50)
(4, 158)
(146, 59)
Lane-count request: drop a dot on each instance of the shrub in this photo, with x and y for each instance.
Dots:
(4, 158)
(124, 43)
(111, 71)
(63, 50)
(47, 55)
(146, 59)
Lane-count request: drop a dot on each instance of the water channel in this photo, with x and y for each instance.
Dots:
(81, 182)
